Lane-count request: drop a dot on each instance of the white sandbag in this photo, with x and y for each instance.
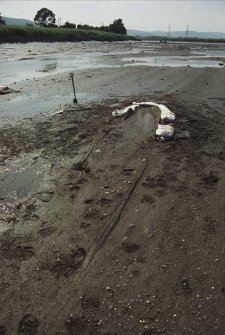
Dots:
(166, 114)
(164, 132)
(143, 104)
(124, 111)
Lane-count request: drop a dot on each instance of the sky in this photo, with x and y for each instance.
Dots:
(142, 15)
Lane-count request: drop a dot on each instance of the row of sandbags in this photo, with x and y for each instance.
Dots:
(165, 130)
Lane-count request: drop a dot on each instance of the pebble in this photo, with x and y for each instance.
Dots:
(185, 283)
(131, 225)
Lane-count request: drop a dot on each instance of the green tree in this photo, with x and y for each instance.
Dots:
(117, 27)
(85, 26)
(104, 28)
(45, 18)
(1, 20)
(68, 25)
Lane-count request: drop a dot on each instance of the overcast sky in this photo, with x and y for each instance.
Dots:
(142, 15)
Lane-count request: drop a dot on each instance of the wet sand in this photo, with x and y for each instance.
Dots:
(104, 230)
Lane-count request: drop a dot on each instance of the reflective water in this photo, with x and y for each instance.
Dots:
(22, 69)
(29, 105)
(19, 62)
(212, 53)
(173, 61)
(22, 177)
(15, 69)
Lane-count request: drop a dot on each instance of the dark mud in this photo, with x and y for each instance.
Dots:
(121, 234)
(125, 235)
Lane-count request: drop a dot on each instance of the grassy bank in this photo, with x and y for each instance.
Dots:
(18, 34)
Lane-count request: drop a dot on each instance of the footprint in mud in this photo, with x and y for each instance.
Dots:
(211, 179)
(99, 171)
(16, 246)
(128, 172)
(104, 201)
(209, 226)
(89, 201)
(19, 252)
(147, 199)
(44, 232)
(84, 225)
(92, 214)
(141, 260)
(24, 251)
(153, 182)
(28, 213)
(90, 302)
(113, 166)
(82, 135)
(82, 181)
(76, 326)
(151, 331)
(68, 264)
(81, 166)
(77, 185)
(197, 193)
(30, 217)
(28, 325)
(2, 330)
(73, 187)
(130, 247)
(159, 193)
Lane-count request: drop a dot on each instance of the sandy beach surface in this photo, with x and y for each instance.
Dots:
(103, 229)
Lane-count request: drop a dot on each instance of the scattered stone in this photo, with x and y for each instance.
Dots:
(131, 225)
(185, 284)
(128, 171)
(5, 90)
(46, 196)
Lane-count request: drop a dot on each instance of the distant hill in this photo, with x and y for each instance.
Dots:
(175, 33)
(16, 22)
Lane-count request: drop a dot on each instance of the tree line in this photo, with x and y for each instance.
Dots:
(1, 19)
(46, 18)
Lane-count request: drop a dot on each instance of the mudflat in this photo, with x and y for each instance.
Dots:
(103, 229)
